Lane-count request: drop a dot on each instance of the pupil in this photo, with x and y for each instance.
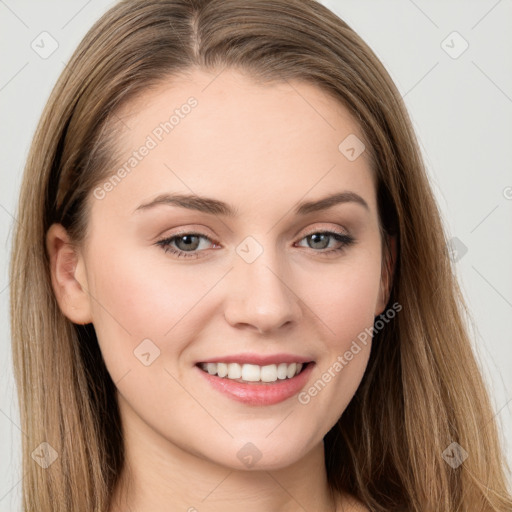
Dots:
(187, 239)
(316, 236)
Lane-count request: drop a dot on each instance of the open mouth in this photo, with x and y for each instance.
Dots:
(254, 374)
(255, 385)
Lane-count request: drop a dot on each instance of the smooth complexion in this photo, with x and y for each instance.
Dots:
(261, 150)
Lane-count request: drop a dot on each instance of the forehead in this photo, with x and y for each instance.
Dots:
(224, 135)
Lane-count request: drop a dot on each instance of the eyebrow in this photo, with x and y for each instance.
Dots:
(216, 207)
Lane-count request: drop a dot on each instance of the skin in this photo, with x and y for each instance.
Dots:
(261, 149)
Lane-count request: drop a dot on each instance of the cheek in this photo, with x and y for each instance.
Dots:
(139, 298)
(343, 300)
(135, 302)
(344, 296)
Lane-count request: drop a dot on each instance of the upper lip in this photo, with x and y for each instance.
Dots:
(258, 359)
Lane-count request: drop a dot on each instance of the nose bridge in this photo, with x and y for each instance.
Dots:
(261, 294)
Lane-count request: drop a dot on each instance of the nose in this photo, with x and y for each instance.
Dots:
(260, 295)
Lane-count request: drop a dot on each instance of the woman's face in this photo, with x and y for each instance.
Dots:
(261, 281)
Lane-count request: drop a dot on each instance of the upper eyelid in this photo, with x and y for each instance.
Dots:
(193, 231)
(214, 241)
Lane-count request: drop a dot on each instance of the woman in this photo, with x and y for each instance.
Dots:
(231, 260)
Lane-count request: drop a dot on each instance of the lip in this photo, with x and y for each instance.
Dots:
(259, 359)
(259, 393)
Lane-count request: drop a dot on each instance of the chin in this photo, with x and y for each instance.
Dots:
(260, 454)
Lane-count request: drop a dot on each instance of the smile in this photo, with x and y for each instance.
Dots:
(257, 385)
(253, 372)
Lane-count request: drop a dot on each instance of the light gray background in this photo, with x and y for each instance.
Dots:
(461, 109)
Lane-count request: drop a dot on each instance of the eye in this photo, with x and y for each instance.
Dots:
(186, 243)
(321, 240)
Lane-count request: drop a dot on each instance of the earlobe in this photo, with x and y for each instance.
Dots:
(388, 272)
(67, 275)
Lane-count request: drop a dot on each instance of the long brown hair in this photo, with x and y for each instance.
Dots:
(422, 389)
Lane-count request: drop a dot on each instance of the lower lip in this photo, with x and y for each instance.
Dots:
(259, 393)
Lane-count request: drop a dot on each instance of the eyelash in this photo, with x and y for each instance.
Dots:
(346, 241)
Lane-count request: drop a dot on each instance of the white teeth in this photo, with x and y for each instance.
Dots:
(282, 371)
(291, 370)
(253, 372)
(211, 368)
(250, 372)
(222, 369)
(234, 371)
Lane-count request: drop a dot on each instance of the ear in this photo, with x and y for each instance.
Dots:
(388, 272)
(68, 276)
